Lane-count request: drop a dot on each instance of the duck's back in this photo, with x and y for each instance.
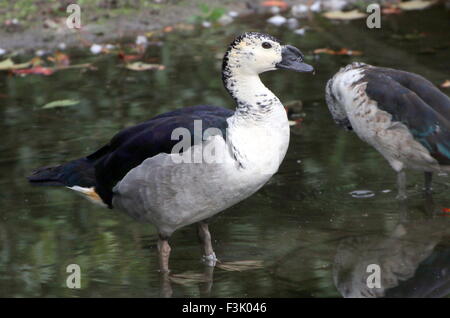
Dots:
(400, 106)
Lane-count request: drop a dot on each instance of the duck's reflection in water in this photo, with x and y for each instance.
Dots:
(413, 260)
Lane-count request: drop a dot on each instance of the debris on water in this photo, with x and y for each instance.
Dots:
(415, 5)
(141, 40)
(292, 23)
(299, 10)
(62, 46)
(40, 53)
(386, 191)
(206, 24)
(343, 51)
(300, 31)
(334, 5)
(277, 20)
(445, 84)
(96, 48)
(61, 103)
(280, 5)
(360, 194)
(316, 6)
(344, 15)
(233, 14)
(299, 161)
(139, 66)
(2, 51)
(225, 20)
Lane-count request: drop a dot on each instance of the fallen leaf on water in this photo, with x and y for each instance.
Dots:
(344, 15)
(446, 84)
(342, 51)
(8, 64)
(34, 70)
(168, 29)
(274, 3)
(140, 66)
(60, 103)
(446, 210)
(60, 59)
(127, 58)
(415, 5)
(391, 10)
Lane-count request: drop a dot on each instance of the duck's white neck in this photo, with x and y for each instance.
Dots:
(254, 101)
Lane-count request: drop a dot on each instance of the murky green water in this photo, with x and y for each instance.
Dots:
(314, 238)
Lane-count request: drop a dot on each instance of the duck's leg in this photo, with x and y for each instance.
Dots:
(428, 180)
(209, 257)
(401, 184)
(163, 253)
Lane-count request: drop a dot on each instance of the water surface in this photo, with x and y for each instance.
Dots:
(314, 238)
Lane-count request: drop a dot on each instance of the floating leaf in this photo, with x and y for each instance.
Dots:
(8, 64)
(342, 51)
(391, 10)
(415, 5)
(280, 4)
(60, 103)
(127, 58)
(60, 59)
(140, 66)
(446, 84)
(344, 15)
(34, 70)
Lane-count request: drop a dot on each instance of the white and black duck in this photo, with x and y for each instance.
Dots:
(138, 171)
(402, 115)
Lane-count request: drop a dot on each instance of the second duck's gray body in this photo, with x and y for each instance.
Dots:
(352, 107)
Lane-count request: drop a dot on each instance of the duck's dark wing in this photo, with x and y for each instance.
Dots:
(415, 102)
(133, 145)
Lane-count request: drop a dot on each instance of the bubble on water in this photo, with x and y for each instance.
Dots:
(362, 194)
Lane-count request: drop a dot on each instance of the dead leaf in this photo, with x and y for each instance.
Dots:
(8, 64)
(342, 51)
(60, 59)
(127, 58)
(344, 15)
(61, 103)
(391, 10)
(415, 5)
(34, 70)
(446, 84)
(274, 3)
(140, 66)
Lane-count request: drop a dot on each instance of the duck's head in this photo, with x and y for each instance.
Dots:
(253, 53)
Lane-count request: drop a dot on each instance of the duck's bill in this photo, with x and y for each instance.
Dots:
(292, 59)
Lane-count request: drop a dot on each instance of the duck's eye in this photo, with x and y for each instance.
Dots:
(266, 45)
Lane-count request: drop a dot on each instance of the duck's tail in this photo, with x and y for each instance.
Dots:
(77, 175)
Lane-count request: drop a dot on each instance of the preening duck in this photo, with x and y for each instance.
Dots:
(401, 114)
(144, 170)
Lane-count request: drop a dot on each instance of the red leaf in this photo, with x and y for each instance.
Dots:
(34, 70)
(446, 210)
(275, 3)
(128, 58)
